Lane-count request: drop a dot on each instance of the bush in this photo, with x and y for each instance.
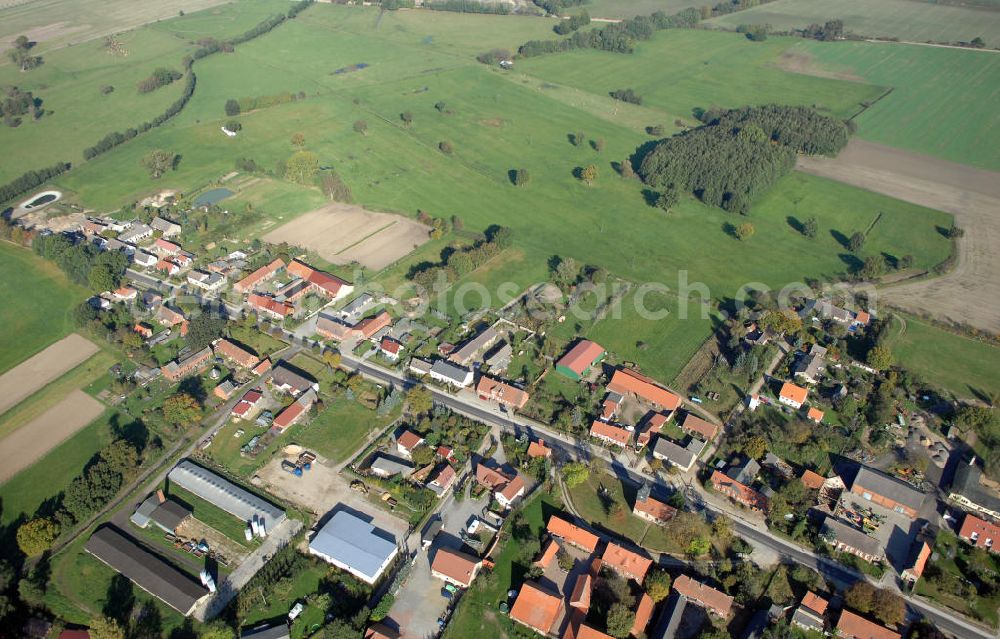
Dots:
(233, 126)
(232, 107)
(160, 77)
(446, 147)
(627, 95)
(106, 89)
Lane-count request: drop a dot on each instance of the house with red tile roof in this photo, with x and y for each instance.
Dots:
(811, 480)
(321, 282)
(792, 395)
(367, 327)
(513, 490)
(407, 441)
(539, 449)
(493, 390)
(571, 533)
(580, 359)
(980, 533)
(577, 628)
(168, 267)
(609, 433)
(652, 509)
(643, 613)
(264, 273)
(815, 602)
(143, 329)
(852, 626)
(262, 367)
(442, 480)
(390, 348)
(491, 478)
(125, 294)
(814, 414)
(380, 631)
(538, 608)
(579, 598)
(716, 602)
(626, 381)
(625, 562)
(332, 328)
(738, 491)
(247, 404)
(169, 317)
(235, 353)
(700, 428)
(181, 368)
(455, 567)
(166, 247)
(653, 426)
(914, 570)
(269, 306)
(609, 409)
(294, 412)
(549, 553)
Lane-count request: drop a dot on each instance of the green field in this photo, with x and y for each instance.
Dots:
(631, 8)
(903, 19)
(680, 70)
(40, 301)
(27, 490)
(69, 84)
(499, 121)
(942, 101)
(966, 367)
(340, 429)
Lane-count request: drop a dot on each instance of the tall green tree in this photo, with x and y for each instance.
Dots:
(35, 536)
(158, 162)
(302, 167)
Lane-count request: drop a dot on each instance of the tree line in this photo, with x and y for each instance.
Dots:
(617, 37)
(160, 77)
(572, 23)
(469, 6)
(556, 6)
(739, 154)
(458, 261)
(29, 180)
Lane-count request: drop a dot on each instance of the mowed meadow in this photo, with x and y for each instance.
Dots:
(498, 121)
(904, 19)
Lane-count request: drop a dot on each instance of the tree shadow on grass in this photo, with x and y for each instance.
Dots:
(841, 239)
(119, 599)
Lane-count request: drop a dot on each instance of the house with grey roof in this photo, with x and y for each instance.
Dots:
(824, 309)
(745, 473)
(669, 622)
(386, 466)
(281, 631)
(145, 569)
(673, 453)
(846, 538)
(165, 226)
(136, 233)
(887, 491)
(356, 308)
(165, 514)
(286, 378)
(810, 366)
(352, 544)
(448, 373)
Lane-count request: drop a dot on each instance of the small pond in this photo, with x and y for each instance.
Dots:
(41, 199)
(208, 198)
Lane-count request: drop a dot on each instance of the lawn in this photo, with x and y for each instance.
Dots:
(40, 301)
(286, 593)
(611, 508)
(631, 8)
(903, 19)
(50, 475)
(940, 99)
(966, 367)
(340, 429)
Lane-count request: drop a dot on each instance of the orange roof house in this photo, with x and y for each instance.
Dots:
(251, 281)
(575, 363)
(816, 603)
(514, 489)
(549, 553)
(270, 306)
(697, 426)
(643, 613)
(652, 509)
(380, 631)
(321, 281)
(707, 597)
(815, 414)
(572, 533)
(627, 381)
(852, 626)
(578, 629)
(580, 597)
(490, 389)
(610, 434)
(371, 325)
(812, 481)
(262, 367)
(537, 608)
(289, 416)
(792, 395)
(492, 479)
(235, 353)
(738, 492)
(628, 563)
(539, 449)
(455, 567)
(653, 426)
(915, 569)
(980, 533)
(143, 329)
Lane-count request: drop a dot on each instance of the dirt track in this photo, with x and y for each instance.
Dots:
(971, 292)
(35, 372)
(31, 442)
(344, 233)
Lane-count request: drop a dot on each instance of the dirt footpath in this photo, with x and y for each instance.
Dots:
(971, 292)
(344, 233)
(40, 369)
(31, 442)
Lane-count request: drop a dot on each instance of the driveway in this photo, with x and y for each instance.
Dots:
(419, 603)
